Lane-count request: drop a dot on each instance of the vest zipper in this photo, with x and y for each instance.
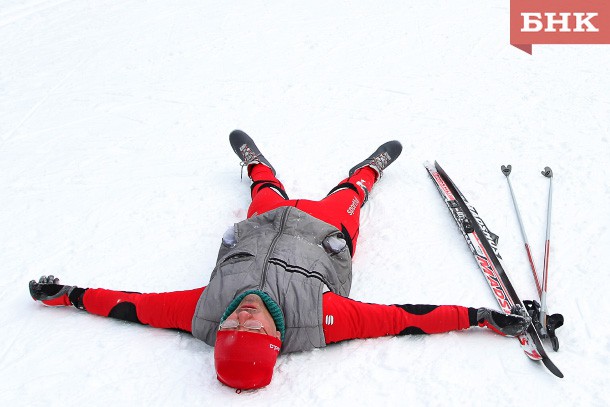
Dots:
(272, 246)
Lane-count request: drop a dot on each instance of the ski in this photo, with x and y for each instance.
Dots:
(484, 246)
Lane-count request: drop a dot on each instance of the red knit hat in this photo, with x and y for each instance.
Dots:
(245, 360)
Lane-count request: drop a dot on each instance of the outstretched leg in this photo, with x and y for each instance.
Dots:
(341, 207)
(266, 190)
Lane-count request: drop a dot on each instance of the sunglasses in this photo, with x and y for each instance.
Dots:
(251, 325)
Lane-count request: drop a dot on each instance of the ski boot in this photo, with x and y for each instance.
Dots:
(381, 158)
(246, 150)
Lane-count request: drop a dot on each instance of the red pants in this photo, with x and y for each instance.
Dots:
(340, 208)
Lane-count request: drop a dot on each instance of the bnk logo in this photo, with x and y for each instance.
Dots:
(533, 22)
(559, 22)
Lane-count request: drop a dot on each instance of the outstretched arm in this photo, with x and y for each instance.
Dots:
(160, 310)
(345, 319)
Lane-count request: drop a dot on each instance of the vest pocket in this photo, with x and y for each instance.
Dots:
(236, 257)
(236, 262)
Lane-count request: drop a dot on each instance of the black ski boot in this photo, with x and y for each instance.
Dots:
(381, 158)
(246, 150)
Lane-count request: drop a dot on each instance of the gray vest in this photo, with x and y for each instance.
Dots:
(280, 252)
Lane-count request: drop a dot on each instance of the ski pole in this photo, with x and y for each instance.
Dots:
(506, 169)
(548, 173)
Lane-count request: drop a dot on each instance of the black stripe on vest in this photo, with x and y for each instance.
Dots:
(296, 269)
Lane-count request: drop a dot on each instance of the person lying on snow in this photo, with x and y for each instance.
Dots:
(282, 281)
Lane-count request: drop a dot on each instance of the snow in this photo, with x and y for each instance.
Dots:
(116, 172)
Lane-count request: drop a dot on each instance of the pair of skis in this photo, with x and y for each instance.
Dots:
(484, 246)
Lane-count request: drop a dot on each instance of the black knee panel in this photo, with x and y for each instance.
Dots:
(344, 185)
(268, 184)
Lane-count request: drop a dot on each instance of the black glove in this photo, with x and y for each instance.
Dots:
(50, 292)
(513, 324)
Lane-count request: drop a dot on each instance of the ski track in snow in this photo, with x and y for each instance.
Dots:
(116, 172)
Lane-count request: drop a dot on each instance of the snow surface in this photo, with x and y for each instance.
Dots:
(116, 172)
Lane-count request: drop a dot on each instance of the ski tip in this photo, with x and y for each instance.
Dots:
(547, 172)
(506, 169)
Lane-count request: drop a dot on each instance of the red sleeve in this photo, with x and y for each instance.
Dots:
(345, 319)
(161, 310)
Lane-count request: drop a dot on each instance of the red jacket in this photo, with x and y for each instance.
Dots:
(343, 318)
